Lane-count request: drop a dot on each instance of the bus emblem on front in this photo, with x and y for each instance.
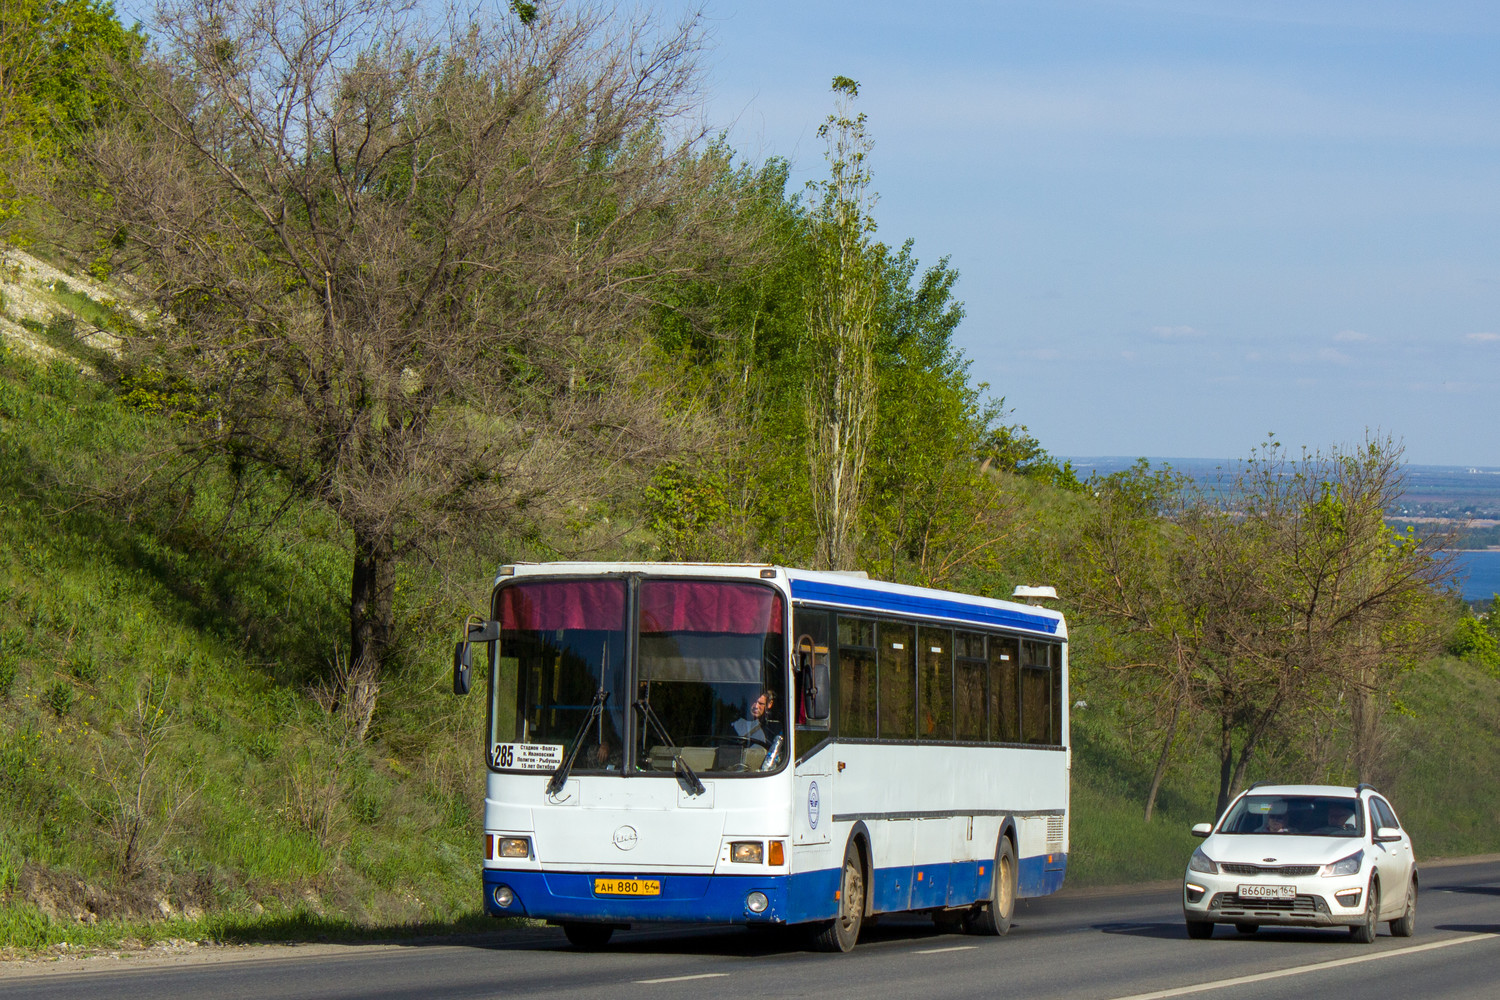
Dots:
(625, 838)
(813, 804)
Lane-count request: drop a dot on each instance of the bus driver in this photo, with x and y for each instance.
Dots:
(758, 727)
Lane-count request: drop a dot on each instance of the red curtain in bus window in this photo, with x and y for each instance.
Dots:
(582, 604)
(706, 606)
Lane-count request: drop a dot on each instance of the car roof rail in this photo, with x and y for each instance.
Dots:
(1256, 784)
(1364, 787)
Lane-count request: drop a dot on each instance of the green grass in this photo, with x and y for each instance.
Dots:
(116, 599)
(25, 929)
(1440, 770)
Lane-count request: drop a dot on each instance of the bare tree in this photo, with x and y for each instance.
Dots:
(841, 388)
(403, 266)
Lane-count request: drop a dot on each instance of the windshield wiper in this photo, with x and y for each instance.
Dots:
(596, 711)
(679, 766)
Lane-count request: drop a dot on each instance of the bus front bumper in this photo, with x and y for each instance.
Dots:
(707, 899)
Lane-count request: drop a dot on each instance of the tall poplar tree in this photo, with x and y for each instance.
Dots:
(841, 308)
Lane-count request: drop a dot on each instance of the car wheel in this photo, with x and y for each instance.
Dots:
(588, 937)
(840, 933)
(1406, 924)
(993, 918)
(1364, 932)
(1247, 928)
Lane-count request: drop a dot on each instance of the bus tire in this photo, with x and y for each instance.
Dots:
(588, 937)
(840, 933)
(993, 917)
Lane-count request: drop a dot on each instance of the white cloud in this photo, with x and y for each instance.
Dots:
(1176, 332)
(1334, 357)
(1350, 336)
(1483, 338)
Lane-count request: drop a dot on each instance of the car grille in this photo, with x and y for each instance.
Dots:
(1284, 871)
(1230, 904)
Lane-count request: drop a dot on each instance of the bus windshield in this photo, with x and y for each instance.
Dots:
(707, 685)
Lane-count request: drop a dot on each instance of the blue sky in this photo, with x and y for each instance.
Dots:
(1179, 225)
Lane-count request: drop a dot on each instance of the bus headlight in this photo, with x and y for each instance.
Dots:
(748, 852)
(515, 847)
(504, 896)
(757, 902)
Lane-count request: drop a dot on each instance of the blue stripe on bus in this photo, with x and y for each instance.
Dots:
(912, 604)
(793, 899)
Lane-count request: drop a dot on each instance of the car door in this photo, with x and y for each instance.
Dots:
(1394, 858)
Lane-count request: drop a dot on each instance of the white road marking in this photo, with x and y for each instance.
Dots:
(939, 951)
(1219, 984)
(681, 979)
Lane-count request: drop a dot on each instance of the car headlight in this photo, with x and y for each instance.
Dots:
(1201, 862)
(1345, 866)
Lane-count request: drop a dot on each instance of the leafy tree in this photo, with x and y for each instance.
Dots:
(1477, 638)
(407, 270)
(58, 60)
(1279, 591)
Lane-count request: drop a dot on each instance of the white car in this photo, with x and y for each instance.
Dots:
(1303, 856)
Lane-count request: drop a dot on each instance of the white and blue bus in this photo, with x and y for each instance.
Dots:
(748, 744)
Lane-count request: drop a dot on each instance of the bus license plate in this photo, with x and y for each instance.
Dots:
(1268, 892)
(627, 887)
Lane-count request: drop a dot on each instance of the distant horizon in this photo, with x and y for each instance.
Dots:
(1201, 459)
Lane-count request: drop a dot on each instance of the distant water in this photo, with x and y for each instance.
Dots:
(1479, 574)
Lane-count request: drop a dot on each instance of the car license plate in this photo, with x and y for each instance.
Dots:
(1268, 892)
(627, 887)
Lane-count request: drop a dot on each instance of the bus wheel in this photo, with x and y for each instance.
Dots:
(588, 937)
(993, 917)
(840, 933)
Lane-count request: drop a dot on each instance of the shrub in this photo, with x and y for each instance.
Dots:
(60, 697)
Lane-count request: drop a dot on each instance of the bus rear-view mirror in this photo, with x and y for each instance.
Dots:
(463, 667)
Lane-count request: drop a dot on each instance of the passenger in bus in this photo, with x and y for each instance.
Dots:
(758, 727)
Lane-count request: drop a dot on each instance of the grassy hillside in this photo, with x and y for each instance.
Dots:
(166, 743)
(170, 765)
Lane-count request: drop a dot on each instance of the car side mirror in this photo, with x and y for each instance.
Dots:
(463, 667)
(1203, 829)
(1387, 834)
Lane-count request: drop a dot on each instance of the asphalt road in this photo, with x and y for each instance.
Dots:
(1075, 946)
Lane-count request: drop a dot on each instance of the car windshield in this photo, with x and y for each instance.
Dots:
(707, 689)
(1295, 815)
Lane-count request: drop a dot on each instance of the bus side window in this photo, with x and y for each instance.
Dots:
(1057, 695)
(935, 692)
(898, 669)
(970, 687)
(813, 698)
(855, 682)
(1005, 689)
(1036, 693)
